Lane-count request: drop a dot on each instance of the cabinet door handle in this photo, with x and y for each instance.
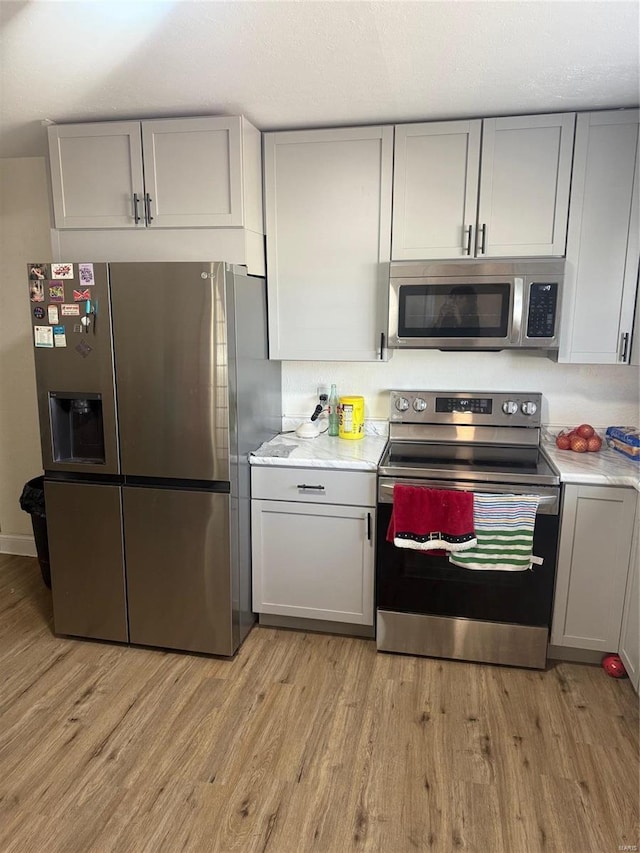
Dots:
(467, 246)
(147, 202)
(306, 488)
(483, 230)
(136, 202)
(369, 526)
(381, 346)
(624, 345)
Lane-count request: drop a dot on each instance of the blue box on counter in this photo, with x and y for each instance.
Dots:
(625, 440)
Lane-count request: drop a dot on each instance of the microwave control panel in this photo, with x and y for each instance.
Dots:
(541, 320)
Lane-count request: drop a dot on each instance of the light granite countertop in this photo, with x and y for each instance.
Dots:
(605, 468)
(287, 450)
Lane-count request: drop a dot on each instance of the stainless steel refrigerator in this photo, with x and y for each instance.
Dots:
(153, 388)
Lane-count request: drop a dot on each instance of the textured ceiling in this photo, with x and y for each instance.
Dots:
(308, 64)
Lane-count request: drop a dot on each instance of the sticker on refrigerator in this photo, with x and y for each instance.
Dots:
(38, 312)
(36, 291)
(43, 336)
(83, 348)
(54, 318)
(81, 295)
(70, 309)
(56, 292)
(59, 337)
(61, 270)
(38, 272)
(85, 274)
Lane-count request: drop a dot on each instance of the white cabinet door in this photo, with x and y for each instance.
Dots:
(328, 225)
(193, 172)
(435, 189)
(593, 563)
(313, 561)
(454, 198)
(630, 633)
(198, 173)
(635, 338)
(96, 170)
(603, 240)
(524, 185)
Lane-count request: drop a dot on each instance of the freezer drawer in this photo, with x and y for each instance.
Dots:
(85, 550)
(178, 569)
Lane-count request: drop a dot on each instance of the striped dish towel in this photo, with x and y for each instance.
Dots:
(504, 530)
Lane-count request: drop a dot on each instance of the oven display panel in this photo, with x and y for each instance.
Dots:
(475, 405)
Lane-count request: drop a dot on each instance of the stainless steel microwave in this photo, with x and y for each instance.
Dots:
(487, 305)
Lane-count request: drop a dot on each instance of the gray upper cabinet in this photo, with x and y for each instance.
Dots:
(96, 172)
(603, 241)
(328, 225)
(484, 188)
(435, 189)
(167, 173)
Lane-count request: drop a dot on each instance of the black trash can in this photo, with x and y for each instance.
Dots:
(32, 501)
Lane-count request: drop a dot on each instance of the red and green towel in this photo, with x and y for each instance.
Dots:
(504, 527)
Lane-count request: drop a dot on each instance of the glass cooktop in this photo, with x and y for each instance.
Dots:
(467, 462)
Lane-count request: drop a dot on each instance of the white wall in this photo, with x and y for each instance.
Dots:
(24, 237)
(600, 395)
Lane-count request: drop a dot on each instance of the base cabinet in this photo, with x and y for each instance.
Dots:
(630, 634)
(313, 559)
(593, 565)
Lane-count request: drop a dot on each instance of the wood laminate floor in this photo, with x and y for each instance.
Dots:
(303, 742)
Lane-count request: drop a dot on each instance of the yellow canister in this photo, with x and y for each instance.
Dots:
(351, 417)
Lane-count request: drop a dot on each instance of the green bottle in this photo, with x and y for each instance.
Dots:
(333, 411)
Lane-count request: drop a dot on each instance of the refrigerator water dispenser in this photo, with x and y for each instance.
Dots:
(76, 427)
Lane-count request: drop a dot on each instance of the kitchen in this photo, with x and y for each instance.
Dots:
(600, 393)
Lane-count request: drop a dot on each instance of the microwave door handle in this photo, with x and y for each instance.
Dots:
(517, 311)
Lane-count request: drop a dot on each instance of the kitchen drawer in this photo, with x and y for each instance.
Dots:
(327, 486)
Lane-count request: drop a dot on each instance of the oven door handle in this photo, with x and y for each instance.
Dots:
(547, 504)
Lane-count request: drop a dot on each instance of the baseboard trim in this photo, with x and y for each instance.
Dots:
(566, 653)
(323, 626)
(21, 545)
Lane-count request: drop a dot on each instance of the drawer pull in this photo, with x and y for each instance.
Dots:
(306, 488)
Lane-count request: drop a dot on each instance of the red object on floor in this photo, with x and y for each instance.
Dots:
(613, 666)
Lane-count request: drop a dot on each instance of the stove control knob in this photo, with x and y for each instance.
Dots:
(529, 408)
(509, 407)
(419, 404)
(402, 404)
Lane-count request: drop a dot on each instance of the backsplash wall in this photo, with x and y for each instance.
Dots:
(599, 394)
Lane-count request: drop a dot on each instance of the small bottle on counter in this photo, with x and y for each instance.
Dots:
(333, 411)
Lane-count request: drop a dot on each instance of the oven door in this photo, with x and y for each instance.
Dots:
(455, 312)
(468, 614)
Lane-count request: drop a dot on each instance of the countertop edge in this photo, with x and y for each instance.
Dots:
(605, 468)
